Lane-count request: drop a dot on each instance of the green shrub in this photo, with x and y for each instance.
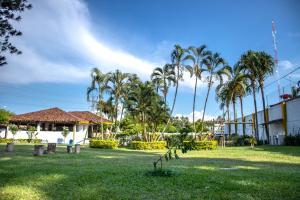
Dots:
(202, 145)
(104, 144)
(292, 140)
(148, 145)
(20, 141)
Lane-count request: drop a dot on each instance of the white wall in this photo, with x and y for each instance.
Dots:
(293, 116)
(53, 136)
(276, 129)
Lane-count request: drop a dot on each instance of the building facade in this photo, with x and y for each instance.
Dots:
(49, 125)
(282, 119)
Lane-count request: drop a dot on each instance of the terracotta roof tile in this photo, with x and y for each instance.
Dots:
(89, 116)
(48, 115)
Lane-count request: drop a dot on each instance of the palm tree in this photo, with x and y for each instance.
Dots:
(295, 91)
(222, 96)
(116, 82)
(216, 69)
(248, 65)
(265, 68)
(178, 56)
(163, 78)
(98, 84)
(238, 87)
(142, 104)
(197, 56)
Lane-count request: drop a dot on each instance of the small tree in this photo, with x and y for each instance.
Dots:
(13, 129)
(252, 141)
(65, 133)
(31, 133)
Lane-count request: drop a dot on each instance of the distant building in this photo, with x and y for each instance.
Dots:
(50, 122)
(283, 119)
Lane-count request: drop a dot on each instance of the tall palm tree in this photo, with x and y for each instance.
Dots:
(223, 96)
(98, 85)
(265, 68)
(248, 65)
(178, 56)
(163, 78)
(197, 56)
(216, 69)
(116, 82)
(238, 88)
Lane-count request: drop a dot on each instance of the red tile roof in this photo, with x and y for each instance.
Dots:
(89, 116)
(49, 115)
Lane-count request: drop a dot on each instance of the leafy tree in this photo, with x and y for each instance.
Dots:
(31, 132)
(13, 129)
(295, 91)
(9, 10)
(65, 132)
(4, 118)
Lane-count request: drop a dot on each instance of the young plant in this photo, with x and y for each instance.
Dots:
(174, 143)
(252, 141)
(65, 133)
(31, 133)
(13, 129)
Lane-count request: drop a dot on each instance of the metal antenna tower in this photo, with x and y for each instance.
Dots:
(276, 56)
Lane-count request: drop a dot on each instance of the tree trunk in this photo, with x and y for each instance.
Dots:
(242, 114)
(209, 86)
(234, 116)
(255, 110)
(194, 102)
(174, 100)
(228, 120)
(116, 114)
(264, 108)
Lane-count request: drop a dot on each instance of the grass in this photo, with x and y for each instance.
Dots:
(266, 172)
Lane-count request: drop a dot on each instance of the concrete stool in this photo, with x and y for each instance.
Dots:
(38, 150)
(10, 147)
(77, 148)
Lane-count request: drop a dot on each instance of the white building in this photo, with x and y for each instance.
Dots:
(49, 124)
(283, 119)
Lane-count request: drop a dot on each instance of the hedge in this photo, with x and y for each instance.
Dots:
(292, 140)
(139, 145)
(20, 141)
(104, 144)
(203, 145)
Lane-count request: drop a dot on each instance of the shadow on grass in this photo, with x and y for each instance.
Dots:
(91, 175)
(286, 150)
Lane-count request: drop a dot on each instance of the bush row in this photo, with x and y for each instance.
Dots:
(104, 144)
(20, 141)
(202, 145)
(148, 145)
(292, 140)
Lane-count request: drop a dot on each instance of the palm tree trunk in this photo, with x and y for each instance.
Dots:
(264, 107)
(209, 86)
(194, 102)
(116, 114)
(255, 109)
(228, 120)
(174, 100)
(242, 114)
(234, 116)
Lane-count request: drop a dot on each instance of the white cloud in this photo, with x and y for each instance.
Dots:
(286, 64)
(58, 46)
(198, 115)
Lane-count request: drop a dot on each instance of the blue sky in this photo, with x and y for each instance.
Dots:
(63, 40)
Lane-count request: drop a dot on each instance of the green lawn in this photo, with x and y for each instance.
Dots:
(266, 172)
